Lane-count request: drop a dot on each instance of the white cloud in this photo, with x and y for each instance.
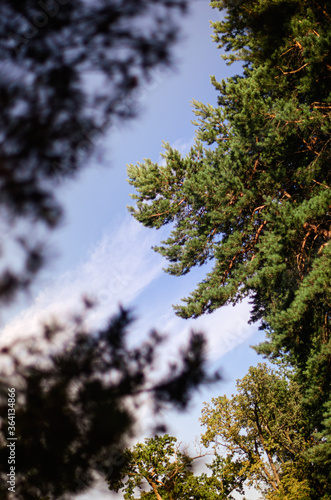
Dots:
(182, 146)
(117, 270)
(225, 328)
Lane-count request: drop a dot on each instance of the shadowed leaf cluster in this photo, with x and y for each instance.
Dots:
(77, 401)
(67, 71)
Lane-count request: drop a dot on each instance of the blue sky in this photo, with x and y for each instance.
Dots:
(100, 250)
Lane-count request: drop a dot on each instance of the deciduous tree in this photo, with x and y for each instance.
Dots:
(157, 469)
(264, 430)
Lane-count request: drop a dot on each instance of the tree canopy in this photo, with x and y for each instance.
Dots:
(158, 470)
(265, 430)
(262, 437)
(253, 194)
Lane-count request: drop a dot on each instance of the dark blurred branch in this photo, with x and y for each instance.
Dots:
(77, 398)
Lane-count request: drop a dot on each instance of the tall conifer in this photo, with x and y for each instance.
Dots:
(253, 194)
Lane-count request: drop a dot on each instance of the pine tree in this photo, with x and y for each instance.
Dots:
(253, 194)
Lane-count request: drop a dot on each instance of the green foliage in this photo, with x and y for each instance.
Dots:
(155, 465)
(157, 469)
(253, 194)
(262, 437)
(265, 433)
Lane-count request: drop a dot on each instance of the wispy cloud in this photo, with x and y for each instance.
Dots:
(122, 268)
(182, 146)
(224, 329)
(117, 270)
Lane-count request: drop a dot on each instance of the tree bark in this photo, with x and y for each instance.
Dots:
(156, 493)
